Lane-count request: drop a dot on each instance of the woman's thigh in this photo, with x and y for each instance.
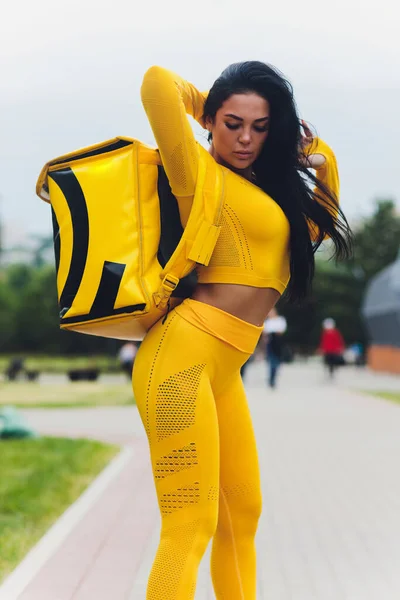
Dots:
(171, 382)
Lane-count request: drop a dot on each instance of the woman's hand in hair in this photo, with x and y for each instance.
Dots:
(307, 159)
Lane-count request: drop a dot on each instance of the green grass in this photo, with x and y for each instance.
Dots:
(392, 396)
(39, 480)
(61, 364)
(68, 395)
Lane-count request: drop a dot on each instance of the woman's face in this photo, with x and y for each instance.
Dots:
(239, 130)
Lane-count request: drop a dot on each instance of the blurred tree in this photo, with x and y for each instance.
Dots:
(377, 240)
(7, 316)
(18, 276)
(37, 316)
(43, 249)
(37, 253)
(36, 311)
(1, 234)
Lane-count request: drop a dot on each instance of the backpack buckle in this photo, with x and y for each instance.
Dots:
(168, 285)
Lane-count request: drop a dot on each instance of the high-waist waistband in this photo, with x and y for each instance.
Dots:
(230, 329)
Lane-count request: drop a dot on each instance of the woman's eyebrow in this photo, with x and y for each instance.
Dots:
(240, 118)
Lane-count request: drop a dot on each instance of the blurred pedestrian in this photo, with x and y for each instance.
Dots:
(331, 346)
(126, 356)
(274, 327)
(357, 350)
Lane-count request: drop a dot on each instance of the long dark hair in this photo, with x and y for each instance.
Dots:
(280, 172)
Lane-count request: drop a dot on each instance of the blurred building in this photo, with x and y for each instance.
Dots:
(381, 311)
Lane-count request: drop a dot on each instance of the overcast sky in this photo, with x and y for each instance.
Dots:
(71, 74)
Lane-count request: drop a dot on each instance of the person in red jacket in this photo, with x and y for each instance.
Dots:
(331, 345)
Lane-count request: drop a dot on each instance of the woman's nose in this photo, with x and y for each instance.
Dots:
(245, 137)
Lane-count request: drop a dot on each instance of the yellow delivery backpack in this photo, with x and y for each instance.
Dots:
(122, 256)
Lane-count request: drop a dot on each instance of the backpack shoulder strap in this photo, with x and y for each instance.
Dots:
(202, 229)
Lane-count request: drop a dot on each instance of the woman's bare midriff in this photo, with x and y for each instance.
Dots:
(248, 303)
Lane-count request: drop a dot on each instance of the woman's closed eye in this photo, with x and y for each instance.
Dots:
(235, 126)
(232, 126)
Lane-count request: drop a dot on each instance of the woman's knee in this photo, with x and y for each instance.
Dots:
(240, 506)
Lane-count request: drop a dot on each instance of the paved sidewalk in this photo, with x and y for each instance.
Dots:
(330, 528)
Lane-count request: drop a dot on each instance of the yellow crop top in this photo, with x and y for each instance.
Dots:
(253, 246)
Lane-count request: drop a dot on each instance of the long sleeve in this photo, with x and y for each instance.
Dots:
(327, 174)
(167, 99)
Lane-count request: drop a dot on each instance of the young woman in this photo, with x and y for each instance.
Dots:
(186, 377)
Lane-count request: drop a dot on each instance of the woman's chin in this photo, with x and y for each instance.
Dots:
(237, 164)
(234, 163)
(241, 166)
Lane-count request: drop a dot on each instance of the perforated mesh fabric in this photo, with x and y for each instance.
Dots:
(178, 166)
(176, 402)
(226, 252)
(170, 562)
(240, 489)
(241, 237)
(177, 460)
(180, 498)
(213, 493)
(151, 374)
(175, 163)
(232, 249)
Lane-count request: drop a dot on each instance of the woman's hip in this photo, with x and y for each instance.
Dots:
(196, 334)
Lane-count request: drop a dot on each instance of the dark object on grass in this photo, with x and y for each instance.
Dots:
(83, 374)
(32, 375)
(15, 368)
(13, 425)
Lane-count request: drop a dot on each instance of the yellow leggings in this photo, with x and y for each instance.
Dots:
(191, 400)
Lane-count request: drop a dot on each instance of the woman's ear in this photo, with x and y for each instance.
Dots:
(208, 123)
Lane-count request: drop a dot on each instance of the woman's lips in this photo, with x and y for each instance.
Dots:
(243, 155)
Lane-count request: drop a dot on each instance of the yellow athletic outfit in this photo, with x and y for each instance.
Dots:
(187, 380)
